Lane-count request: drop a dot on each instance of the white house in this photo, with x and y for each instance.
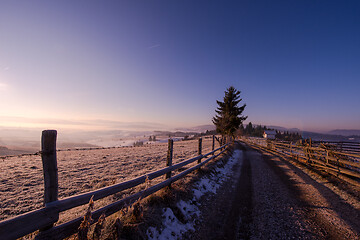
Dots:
(269, 134)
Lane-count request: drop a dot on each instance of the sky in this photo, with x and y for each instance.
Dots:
(163, 64)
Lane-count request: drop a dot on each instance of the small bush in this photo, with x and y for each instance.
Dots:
(138, 143)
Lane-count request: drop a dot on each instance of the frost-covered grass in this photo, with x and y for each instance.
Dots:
(21, 177)
(172, 227)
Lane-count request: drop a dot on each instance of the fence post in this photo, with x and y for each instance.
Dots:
(327, 156)
(169, 157)
(50, 170)
(213, 144)
(200, 147)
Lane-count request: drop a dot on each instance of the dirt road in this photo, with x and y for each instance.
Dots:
(271, 198)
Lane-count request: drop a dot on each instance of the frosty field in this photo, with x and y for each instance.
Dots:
(21, 178)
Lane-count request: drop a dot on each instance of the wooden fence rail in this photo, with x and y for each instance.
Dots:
(348, 147)
(339, 163)
(44, 218)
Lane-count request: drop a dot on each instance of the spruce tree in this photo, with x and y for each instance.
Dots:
(229, 116)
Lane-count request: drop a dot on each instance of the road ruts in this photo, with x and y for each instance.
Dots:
(289, 204)
(238, 222)
(220, 213)
(276, 212)
(270, 198)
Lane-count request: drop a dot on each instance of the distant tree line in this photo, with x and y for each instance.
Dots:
(197, 135)
(252, 131)
(152, 138)
(138, 143)
(288, 136)
(258, 131)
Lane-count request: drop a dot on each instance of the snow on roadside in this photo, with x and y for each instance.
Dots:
(212, 182)
(172, 228)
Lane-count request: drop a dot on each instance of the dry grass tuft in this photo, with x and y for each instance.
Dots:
(137, 211)
(98, 227)
(147, 182)
(83, 230)
(85, 224)
(118, 228)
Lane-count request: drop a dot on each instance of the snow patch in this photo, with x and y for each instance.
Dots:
(188, 209)
(220, 175)
(172, 227)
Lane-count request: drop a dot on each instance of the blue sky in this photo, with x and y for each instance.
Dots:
(165, 63)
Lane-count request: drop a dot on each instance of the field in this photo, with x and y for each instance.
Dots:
(21, 179)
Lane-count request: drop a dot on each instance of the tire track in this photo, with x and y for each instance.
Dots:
(238, 222)
(270, 198)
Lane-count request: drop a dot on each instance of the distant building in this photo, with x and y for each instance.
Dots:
(269, 134)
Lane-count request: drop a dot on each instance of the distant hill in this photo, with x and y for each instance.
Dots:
(330, 137)
(5, 151)
(75, 145)
(197, 129)
(345, 132)
(284, 129)
(334, 135)
(182, 132)
(174, 134)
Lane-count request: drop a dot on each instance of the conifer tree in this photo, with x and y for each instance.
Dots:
(229, 116)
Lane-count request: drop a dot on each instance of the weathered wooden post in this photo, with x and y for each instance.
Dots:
(200, 147)
(341, 146)
(213, 143)
(327, 156)
(169, 157)
(48, 156)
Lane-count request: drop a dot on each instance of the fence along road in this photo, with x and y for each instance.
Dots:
(43, 219)
(326, 156)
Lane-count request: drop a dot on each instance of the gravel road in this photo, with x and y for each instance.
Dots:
(272, 198)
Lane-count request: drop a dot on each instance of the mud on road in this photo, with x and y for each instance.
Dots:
(270, 197)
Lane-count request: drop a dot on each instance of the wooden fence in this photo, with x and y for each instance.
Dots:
(44, 219)
(347, 147)
(326, 156)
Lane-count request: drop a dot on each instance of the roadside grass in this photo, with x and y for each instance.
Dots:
(132, 221)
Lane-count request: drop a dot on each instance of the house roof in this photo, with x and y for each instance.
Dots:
(270, 132)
